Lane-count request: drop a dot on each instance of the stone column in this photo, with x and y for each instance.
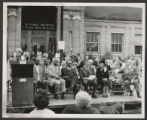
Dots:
(47, 41)
(81, 42)
(108, 39)
(12, 28)
(29, 43)
(18, 28)
(102, 41)
(58, 33)
(67, 32)
(76, 29)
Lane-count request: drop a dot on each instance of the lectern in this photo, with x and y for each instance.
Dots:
(22, 84)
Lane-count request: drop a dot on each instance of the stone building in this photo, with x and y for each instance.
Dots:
(46, 27)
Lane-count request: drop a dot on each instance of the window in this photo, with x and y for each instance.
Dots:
(138, 49)
(117, 42)
(92, 41)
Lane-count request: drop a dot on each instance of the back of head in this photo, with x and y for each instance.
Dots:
(83, 99)
(72, 109)
(41, 101)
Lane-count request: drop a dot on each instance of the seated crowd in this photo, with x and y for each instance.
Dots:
(75, 74)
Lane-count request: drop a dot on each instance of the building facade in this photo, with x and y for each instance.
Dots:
(87, 36)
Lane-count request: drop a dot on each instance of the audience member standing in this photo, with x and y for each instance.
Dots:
(80, 63)
(62, 55)
(39, 55)
(50, 55)
(32, 55)
(57, 55)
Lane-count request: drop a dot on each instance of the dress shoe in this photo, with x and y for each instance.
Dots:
(62, 96)
(138, 95)
(94, 95)
(56, 96)
(131, 93)
(105, 95)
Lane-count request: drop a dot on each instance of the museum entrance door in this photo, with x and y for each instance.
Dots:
(39, 28)
(44, 40)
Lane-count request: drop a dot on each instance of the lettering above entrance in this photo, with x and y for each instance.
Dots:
(38, 26)
(39, 18)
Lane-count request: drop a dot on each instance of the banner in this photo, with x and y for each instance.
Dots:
(37, 26)
(61, 45)
(39, 18)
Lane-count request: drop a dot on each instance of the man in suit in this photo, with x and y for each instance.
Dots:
(50, 82)
(70, 75)
(38, 71)
(80, 63)
(86, 74)
(54, 77)
(46, 67)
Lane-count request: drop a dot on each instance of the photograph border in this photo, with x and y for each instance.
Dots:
(4, 63)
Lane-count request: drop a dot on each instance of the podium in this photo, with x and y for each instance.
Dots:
(22, 84)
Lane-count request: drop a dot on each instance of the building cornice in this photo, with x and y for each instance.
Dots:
(72, 10)
(112, 21)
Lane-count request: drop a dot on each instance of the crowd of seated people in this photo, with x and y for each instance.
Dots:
(74, 73)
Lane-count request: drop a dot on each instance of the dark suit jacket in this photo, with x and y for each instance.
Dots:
(90, 110)
(68, 74)
(80, 65)
(84, 72)
(92, 70)
(100, 74)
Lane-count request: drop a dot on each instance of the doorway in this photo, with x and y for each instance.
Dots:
(39, 28)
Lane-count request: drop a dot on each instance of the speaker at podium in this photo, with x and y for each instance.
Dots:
(22, 84)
